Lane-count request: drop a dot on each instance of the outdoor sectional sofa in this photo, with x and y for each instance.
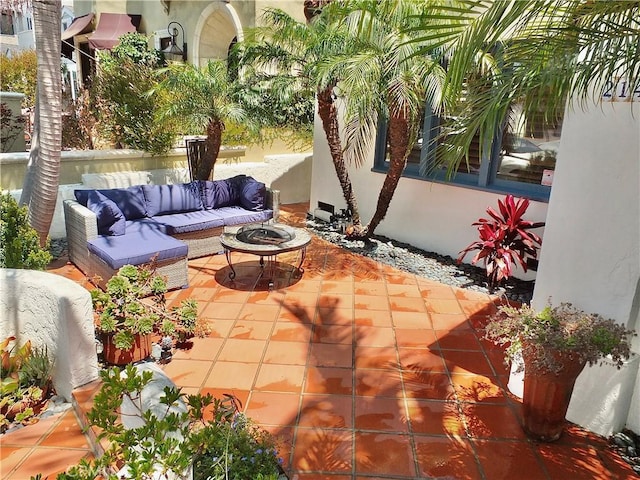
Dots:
(168, 224)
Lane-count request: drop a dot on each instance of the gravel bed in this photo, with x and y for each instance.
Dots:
(408, 258)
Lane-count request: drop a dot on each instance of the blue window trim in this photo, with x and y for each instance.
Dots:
(485, 180)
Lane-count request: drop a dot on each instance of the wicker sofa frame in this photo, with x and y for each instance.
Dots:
(82, 226)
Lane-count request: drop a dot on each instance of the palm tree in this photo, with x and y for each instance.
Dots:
(40, 189)
(384, 81)
(202, 99)
(292, 52)
(536, 54)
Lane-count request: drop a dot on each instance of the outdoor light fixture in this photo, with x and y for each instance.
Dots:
(173, 48)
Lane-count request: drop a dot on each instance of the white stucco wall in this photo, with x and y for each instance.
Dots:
(591, 251)
(55, 312)
(433, 216)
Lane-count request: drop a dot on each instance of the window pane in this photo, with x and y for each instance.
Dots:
(529, 153)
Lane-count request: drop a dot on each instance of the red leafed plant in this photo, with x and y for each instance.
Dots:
(505, 240)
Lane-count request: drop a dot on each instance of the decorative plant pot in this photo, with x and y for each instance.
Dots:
(115, 356)
(546, 398)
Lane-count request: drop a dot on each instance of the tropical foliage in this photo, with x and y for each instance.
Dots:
(287, 54)
(200, 100)
(505, 240)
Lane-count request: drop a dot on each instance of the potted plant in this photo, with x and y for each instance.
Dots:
(179, 437)
(132, 308)
(555, 344)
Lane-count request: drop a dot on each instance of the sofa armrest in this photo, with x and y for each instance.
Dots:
(82, 226)
(272, 201)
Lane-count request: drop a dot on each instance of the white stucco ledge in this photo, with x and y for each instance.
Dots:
(55, 312)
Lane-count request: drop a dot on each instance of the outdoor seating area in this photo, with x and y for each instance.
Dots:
(359, 369)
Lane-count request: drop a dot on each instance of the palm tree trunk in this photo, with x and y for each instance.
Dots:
(211, 150)
(399, 129)
(40, 189)
(329, 115)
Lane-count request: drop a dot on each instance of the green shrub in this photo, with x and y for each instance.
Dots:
(19, 75)
(19, 243)
(127, 111)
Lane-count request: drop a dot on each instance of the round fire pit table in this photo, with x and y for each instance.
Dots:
(266, 241)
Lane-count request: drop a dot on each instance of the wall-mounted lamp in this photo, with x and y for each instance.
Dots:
(173, 48)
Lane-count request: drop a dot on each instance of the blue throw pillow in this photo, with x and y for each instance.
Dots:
(166, 199)
(253, 195)
(111, 220)
(129, 200)
(222, 193)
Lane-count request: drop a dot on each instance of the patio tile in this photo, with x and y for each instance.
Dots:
(382, 414)
(491, 421)
(402, 319)
(385, 454)
(242, 350)
(330, 355)
(280, 378)
(416, 337)
(375, 337)
(363, 367)
(289, 353)
(378, 383)
(371, 302)
(231, 375)
(334, 316)
(421, 360)
(515, 458)
(446, 457)
(457, 340)
(329, 380)
(371, 318)
(376, 357)
(326, 411)
(259, 311)
(435, 417)
(273, 408)
(323, 450)
(290, 332)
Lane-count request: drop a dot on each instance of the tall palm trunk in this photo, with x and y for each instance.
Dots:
(399, 128)
(328, 113)
(211, 150)
(40, 189)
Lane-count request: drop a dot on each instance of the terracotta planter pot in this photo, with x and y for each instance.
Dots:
(546, 398)
(115, 356)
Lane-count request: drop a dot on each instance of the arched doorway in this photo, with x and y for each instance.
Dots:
(217, 28)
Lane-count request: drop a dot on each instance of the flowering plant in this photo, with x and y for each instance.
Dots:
(538, 336)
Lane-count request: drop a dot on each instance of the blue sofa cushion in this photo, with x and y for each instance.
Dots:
(111, 220)
(189, 222)
(252, 195)
(136, 248)
(129, 200)
(166, 199)
(222, 193)
(238, 215)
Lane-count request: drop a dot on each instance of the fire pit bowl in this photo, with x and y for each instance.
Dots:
(264, 235)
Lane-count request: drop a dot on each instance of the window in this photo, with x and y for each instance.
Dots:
(522, 162)
(6, 24)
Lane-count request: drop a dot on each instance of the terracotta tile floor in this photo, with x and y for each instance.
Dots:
(362, 370)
